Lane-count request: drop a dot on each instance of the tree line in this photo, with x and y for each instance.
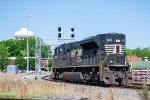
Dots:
(138, 52)
(18, 49)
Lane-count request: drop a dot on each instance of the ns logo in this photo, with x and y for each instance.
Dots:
(76, 53)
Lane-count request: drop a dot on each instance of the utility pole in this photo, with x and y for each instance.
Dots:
(27, 48)
(28, 20)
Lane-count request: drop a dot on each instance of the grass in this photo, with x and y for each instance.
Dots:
(12, 86)
(34, 96)
(144, 92)
(109, 95)
(8, 95)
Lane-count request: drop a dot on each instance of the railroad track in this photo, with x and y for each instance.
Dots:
(47, 77)
(134, 85)
(140, 85)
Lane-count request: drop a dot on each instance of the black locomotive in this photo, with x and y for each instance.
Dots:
(97, 59)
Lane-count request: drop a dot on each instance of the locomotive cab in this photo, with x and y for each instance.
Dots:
(114, 69)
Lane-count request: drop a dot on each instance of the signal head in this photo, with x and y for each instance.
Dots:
(59, 29)
(72, 29)
(59, 35)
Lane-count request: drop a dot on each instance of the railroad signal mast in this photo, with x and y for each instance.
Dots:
(38, 56)
(60, 35)
(39, 44)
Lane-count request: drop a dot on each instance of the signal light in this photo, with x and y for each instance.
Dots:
(59, 29)
(72, 29)
(59, 35)
(72, 35)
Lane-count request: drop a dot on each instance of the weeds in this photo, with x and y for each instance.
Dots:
(34, 96)
(12, 86)
(109, 95)
(8, 95)
(144, 93)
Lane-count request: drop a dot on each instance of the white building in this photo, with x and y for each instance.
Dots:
(23, 33)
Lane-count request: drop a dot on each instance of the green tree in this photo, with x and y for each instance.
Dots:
(128, 52)
(50, 61)
(12, 46)
(21, 63)
(32, 64)
(23, 53)
(3, 57)
(32, 43)
(145, 53)
(138, 52)
(18, 48)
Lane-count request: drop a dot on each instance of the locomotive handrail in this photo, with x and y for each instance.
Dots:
(101, 63)
(119, 65)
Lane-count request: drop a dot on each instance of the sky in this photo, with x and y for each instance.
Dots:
(88, 17)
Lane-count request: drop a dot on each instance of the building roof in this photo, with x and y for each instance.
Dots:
(132, 58)
(141, 64)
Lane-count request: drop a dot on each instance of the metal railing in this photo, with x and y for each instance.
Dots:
(141, 75)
